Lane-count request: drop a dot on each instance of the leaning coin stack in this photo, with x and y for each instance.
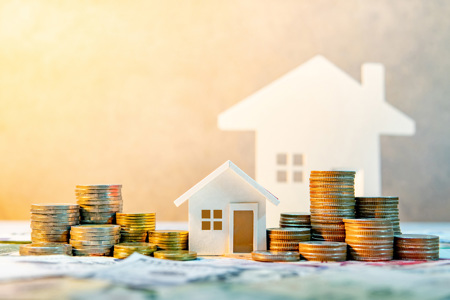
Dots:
(123, 250)
(286, 239)
(169, 239)
(416, 247)
(275, 256)
(332, 196)
(323, 251)
(379, 207)
(134, 227)
(295, 219)
(369, 239)
(52, 222)
(46, 249)
(99, 203)
(94, 240)
(176, 254)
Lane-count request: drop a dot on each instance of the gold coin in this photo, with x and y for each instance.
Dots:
(176, 255)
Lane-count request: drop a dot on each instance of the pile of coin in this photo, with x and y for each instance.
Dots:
(379, 207)
(46, 249)
(286, 239)
(169, 239)
(275, 256)
(134, 226)
(332, 195)
(416, 247)
(323, 251)
(123, 250)
(369, 239)
(94, 240)
(295, 219)
(52, 222)
(176, 254)
(99, 203)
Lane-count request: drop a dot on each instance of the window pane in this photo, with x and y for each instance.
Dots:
(206, 214)
(217, 214)
(298, 159)
(217, 225)
(281, 176)
(282, 159)
(206, 225)
(298, 176)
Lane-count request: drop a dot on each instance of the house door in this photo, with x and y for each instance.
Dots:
(243, 226)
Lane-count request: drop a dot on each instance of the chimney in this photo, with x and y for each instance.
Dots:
(372, 79)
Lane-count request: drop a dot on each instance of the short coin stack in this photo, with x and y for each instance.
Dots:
(416, 247)
(332, 196)
(45, 249)
(379, 207)
(134, 226)
(99, 203)
(286, 239)
(169, 239)
(123, 250)
(94, 240)
(369, 239)
(52, 222)
(275, 256)
(295, 219)
(323, 251)
(176, 254)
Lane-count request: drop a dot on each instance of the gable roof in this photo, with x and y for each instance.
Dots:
(229, 165)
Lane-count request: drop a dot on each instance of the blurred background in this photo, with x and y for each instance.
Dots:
(129, 92)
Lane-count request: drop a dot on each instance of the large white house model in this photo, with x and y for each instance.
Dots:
(227, 212)
(317, 117)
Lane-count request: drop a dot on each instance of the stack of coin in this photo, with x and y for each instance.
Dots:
(287, 239)
(169, 239)
(379, 207)
(123, 250)
(134, 227)
(176, 254)
(99, 203)
(323, 251)
(51, 222)
(46, 249)
(416, 247)
(275, 256)
(94, 240)
(295, 219)
(369, 239)
(332, 196)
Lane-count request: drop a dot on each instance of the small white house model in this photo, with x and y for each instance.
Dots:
(227, 212)
(317, 117)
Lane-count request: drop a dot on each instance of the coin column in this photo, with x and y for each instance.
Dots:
(134, 227)
(94, 240)
(287, 239)
(295, 219)
(123, 250)
(323, 251)
(416, 247)
(379, 207)
(332, 195)
(169, 239)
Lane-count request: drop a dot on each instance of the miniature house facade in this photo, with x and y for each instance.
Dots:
(317, 117)
(227, 212)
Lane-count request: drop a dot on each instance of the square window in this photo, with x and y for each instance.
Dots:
(282, 159)
(217, 225)
(282, 176)
(298, 176)
(206, 225)
(297, 159)
(206, 214)
(217, 214)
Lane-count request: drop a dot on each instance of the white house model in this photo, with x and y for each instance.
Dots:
(317, 117)
(227, 212)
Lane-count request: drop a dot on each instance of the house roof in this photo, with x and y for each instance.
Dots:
(229, 165)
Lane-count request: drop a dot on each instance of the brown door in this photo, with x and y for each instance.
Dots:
(243, 231)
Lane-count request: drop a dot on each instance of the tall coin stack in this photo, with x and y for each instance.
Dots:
(332, 195)
(169, 239)
(369, 239)
(134, 227)
(286, 239)
(99, 203)
(416, 247)
(50, 223)
(94, 240)
(379, 207)
(295, 219)
(323, 251)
